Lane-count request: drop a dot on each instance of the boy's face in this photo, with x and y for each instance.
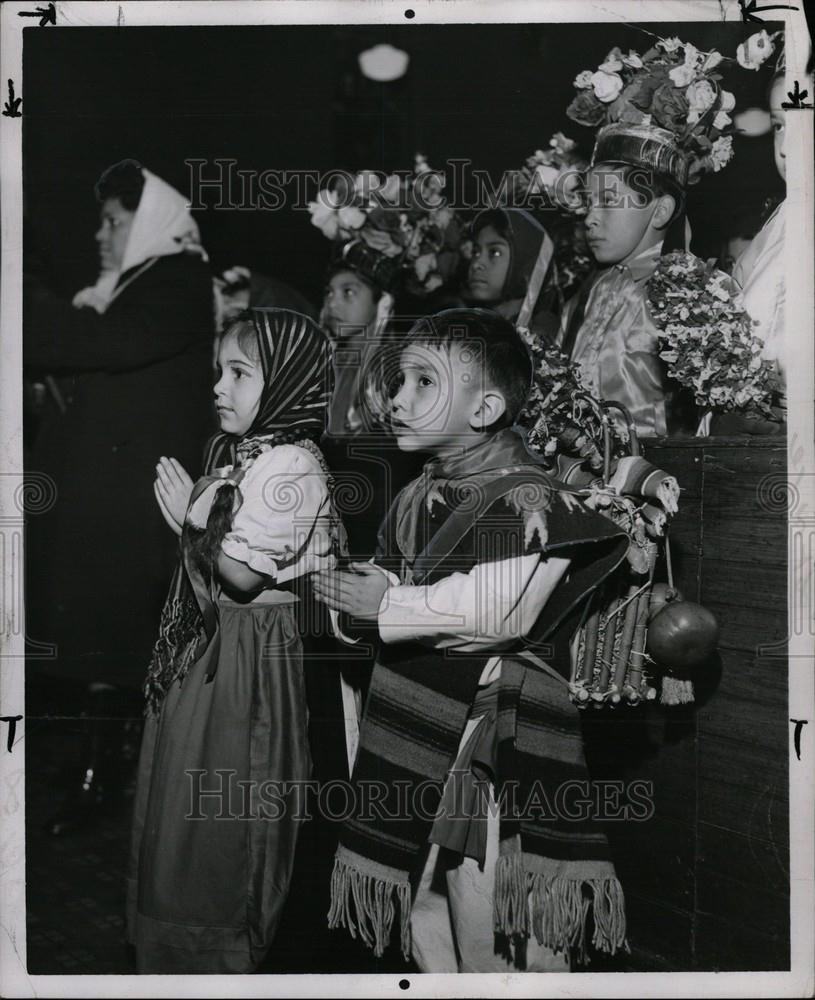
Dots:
(489, 266)
(349, 302)
(618, 223)
(437, 395)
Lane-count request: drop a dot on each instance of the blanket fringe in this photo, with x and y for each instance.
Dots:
(559, 908)
(369, 899)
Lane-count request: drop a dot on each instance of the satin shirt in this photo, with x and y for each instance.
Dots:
(617, 344)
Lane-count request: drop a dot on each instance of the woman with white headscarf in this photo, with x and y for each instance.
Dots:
(128, 362)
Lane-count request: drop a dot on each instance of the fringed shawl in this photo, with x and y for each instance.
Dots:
(551, 872)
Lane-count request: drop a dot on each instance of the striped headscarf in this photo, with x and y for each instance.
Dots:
(295, 357)
(296, 364)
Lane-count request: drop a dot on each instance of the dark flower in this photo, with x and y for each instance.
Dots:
(585, 109)
(669, 107)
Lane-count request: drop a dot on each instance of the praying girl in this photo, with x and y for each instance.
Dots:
(213, 843)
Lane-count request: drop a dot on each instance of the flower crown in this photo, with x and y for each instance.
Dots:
(551, 178)
(674, 89)
(396, 228)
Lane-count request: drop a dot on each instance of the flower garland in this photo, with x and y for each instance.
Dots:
(673, 86)
(560, 417)
(403, 218)
(706, 335)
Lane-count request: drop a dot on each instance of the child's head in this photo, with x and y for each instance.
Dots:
(778, 120)
(350, 300)
(463, 375)
(240, 377)
(629, 210)
(274, 374)
(506, 243)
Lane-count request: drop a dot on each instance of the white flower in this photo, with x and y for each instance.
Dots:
(755, 51)
(682, 75)
(331, 219)
(607, 86)
(366, 183)
(545, 177)
(612, 63)
(632, 60)
(691, 55)
(424, 265)
(670, 44)
(701, 96)
(721, 152)
(721, 121)
(728, 101)
(391, 189)
(713, 59)
(442, 217)
(561, 143)
(583, 80)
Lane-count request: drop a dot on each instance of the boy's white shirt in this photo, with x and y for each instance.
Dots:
(490, 607)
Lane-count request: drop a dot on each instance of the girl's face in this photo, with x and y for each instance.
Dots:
(238, 389)
(489, 266)
(113, 234)
(349, 304)
(778, 120)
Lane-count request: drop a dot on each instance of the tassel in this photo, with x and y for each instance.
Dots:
(374, 906)
(676, 692)
(510, 911)
(559, 908)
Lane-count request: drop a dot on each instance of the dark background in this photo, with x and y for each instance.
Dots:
(706, 879)
(292, 97)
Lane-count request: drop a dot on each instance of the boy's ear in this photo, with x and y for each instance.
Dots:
(663, 213)
(491, 408)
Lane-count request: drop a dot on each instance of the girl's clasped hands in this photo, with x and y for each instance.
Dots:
(173, 488)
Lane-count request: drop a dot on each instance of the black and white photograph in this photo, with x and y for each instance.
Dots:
(407, 498)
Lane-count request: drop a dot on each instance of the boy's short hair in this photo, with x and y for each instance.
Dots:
(646, 181)
(495, 345)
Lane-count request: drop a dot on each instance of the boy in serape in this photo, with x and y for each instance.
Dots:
(482, 550)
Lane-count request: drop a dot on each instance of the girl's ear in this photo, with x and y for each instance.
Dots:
(384, 309)
(491, 408)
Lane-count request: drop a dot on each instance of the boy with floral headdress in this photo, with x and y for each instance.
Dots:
(664, 121)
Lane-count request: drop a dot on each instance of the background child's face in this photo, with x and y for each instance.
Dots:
(437, 393)
(348, 302)
(489, 266)
(778, 120)
(238, 389)
(734, 247)
(618, 223)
